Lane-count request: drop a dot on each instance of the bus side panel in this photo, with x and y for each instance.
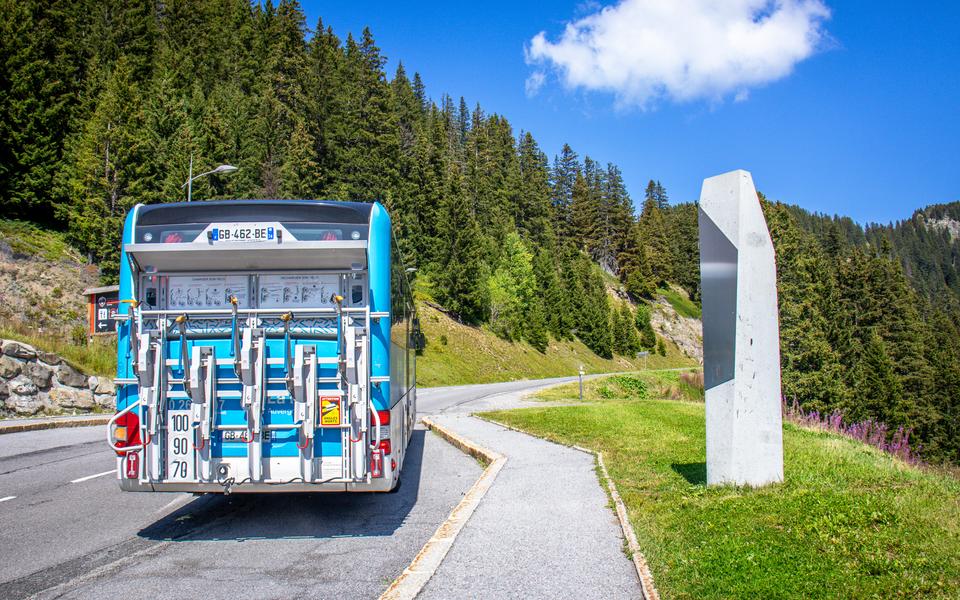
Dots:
(126, 394)
(379, 273)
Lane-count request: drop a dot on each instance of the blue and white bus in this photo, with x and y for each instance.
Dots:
(264, 345)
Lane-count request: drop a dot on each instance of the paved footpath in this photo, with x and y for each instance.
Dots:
(543, 530)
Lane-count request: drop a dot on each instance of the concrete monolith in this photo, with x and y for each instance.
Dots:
(741, 338)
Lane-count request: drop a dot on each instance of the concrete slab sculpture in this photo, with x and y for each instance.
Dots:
(741, 339)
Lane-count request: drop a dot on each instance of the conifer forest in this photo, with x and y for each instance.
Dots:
(102, 104)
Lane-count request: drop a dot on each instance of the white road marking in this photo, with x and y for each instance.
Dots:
(89, 477)
(5, 498)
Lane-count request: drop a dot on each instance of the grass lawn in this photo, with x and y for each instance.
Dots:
(848, 522)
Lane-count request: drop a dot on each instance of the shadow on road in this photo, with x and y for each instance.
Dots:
(295, 515)
(695, 473)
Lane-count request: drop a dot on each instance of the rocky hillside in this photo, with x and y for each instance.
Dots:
(42, 279)
(33, 382)
(951, 226)
(683, 330)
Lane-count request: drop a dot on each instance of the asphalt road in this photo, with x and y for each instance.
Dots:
(67, 531)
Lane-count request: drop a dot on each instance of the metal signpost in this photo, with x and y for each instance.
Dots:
(580, 377)
(644, 356)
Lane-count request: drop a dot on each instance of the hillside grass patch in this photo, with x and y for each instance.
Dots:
(97, 356)
(684, 306)
(28, 239)
(460, 354)
(848, 522)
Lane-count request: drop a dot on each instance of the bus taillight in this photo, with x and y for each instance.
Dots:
(126, 432)
(384, 446)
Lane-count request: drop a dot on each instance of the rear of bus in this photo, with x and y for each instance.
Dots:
(264, 346)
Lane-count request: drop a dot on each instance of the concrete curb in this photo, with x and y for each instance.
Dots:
(409, 584)
(53, 424)
(639, 561)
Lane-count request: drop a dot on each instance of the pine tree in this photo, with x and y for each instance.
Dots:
(648, 339)
(463, 281)
(41, 71)
(512, 288)
(109, 174)
(532, 216)
(655, 237)
(584, 214)
(565, 170)
(555, 301)
(812, 373)
(536, 326)
(631, 344)
(593, 310)
(879, 393)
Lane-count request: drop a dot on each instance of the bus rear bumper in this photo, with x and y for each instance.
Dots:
(377, 485)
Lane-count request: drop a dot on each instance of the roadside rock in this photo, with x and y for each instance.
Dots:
(22, 386)
(39, 373)
(108, 401)
(71, 398)
(104, 385)
(24, 405)
(19, 350)
(49, 358)
(9, 367)
(69, 376)
(33, 381)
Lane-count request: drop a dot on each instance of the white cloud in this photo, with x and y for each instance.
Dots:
(646, 50)
(535, 82)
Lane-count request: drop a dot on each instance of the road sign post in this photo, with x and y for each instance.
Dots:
(580, 377)
(644, 356)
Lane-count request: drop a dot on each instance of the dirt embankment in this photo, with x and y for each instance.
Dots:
(42, 281)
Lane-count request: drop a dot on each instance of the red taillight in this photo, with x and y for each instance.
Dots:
(385, 447)
(384, 417)
(126, 432)
(376, 464)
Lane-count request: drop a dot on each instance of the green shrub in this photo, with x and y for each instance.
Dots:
(632, 387)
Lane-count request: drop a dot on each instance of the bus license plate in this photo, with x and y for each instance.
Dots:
(179, 446)
(243, 232)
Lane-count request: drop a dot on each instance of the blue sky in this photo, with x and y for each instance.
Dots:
(867, 125)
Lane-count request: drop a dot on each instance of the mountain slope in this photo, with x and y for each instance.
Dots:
(458, 354)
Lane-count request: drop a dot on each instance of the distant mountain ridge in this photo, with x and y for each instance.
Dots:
(927, 246)
(945, 217)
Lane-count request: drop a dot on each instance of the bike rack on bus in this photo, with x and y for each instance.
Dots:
(199, 382)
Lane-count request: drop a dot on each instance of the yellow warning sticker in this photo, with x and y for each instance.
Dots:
(329, 410)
